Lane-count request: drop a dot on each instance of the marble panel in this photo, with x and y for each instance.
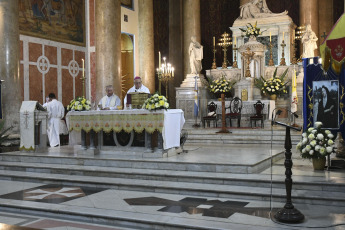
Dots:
(93, 75)
(35, 51)
(35, 84)
(67, 85)
(92, 22)
(21, 51)
(79, 85)
(51, 53)
(66, 56)
(50, 82)
(21, 75)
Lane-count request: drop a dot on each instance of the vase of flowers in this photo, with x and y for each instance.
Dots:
(252, 31)
(79, 104)
(221, 85)
(273, 86)
(316, 144)
(156, 102)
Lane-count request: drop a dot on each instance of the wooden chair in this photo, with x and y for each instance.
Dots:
(211, 115)
(259, 106)
(235, 111)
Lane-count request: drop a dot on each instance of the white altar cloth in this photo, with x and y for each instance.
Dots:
(170, 126)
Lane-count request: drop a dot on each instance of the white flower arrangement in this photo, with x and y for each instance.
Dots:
(156, 102)
(274, 85)
(221, 85)
(316, 142)
(79, 104)
(251, 30)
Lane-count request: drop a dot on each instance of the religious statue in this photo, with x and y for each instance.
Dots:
(195, 56)
(309, 42)
(257, 9)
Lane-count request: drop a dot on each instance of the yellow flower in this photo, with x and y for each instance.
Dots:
(153, 106)
(147, 106)
(161, 103)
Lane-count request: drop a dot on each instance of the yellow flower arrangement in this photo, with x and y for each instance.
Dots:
(274, 85)
(221, 85)
(79, 104)
(156, 102)
(251, 30)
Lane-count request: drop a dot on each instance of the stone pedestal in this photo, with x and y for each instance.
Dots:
(229, 74)
(189, 81)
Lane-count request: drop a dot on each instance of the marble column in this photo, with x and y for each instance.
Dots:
(191, 27)
(309, 14)
(108, 46)
(146, 44)
(325, 18)
(9, 63)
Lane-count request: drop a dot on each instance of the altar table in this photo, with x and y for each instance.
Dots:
(168, 122)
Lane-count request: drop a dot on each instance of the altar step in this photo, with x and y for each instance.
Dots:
(306, 190)
(241, 136)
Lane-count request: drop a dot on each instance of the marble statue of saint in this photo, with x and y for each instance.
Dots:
(195, 56)
(257, 9)
(309, 42)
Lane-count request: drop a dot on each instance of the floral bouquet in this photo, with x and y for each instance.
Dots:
(316, 142)
(79, 104)
(251, 30)
(274, 85)
(156, 102)
(221, 85)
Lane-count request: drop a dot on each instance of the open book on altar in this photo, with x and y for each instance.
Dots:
(137, 99)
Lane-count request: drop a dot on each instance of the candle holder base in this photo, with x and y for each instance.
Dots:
(235, 66)
(271, 62)
(224, 131)
(214, 65)
(282, 62)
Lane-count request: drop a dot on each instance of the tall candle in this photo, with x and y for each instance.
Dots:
(159, 59)
(214, 41)
(235, 40)
(83, 66)
(270, 37)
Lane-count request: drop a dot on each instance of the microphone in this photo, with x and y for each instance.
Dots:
(279, 111)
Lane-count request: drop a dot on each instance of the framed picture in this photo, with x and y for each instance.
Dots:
(57, 20)
(326, 103)
(128, 4)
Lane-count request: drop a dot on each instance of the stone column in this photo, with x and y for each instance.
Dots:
(309, 14)
(325, 18)
(9, 63)
(146, 44)
(108, 46)
(191, 26)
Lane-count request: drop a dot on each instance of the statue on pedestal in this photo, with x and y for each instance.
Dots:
(195, 56)
(257, 9)
(309, 42)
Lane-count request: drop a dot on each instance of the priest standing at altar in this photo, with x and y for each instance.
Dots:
(138, 87)
(56, 112)
(109, 101)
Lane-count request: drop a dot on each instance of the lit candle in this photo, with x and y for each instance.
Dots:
(214, 41)
(283, 36)
(270, 37)
(83, 66)
(235, 40)
(159, 59)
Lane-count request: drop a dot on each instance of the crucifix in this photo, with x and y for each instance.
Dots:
(26, 114)
(324, 36)
(249, 56)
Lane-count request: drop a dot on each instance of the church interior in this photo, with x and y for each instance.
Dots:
(172, 114)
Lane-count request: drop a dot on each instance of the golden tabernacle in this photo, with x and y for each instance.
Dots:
(137, 99)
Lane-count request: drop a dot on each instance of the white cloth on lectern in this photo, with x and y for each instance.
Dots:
(56, 112)
(142, 89)
(173, 124)
(27, 125)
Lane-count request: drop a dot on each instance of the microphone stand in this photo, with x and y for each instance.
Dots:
(288, 214)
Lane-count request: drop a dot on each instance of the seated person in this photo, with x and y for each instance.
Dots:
(109, 101)
(138, 87)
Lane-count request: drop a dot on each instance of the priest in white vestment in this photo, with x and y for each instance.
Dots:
(138, 87)
(109, 101)
(56, 112)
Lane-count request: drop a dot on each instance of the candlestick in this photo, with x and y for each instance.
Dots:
(271, 62)
(83, 66)
(214, 41)
(159, 59)
(282, 60)
(235, 43)
(83, 78)
(234, 65)
(270, 37)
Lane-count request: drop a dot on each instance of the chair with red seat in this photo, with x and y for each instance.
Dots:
(259, 107)
(211, 115)
(235, 111)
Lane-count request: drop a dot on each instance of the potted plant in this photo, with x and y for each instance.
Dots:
(316, 144)
(156, 102)
(273, 86)
(220, 86)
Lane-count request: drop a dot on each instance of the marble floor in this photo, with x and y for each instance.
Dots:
(174, 211)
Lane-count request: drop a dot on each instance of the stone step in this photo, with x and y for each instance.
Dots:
(251, 180)
(194, 189)
(139, 163)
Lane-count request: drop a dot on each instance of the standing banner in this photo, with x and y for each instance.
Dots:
(294, 98)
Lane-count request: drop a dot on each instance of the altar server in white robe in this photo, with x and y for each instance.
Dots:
(138, 87)
(56, 112)
(109, 101)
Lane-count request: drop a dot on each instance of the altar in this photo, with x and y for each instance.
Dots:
(168, 123)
